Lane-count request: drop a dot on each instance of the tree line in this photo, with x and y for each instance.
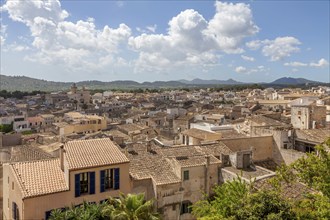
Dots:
(19, 94)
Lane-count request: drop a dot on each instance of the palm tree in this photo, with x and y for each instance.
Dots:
(133, 207)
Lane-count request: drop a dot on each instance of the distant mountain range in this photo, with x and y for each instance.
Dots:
(23, 83)
(198, 81)
(292, 81)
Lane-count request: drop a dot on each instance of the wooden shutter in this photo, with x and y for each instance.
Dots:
(77, 185)
(102, 176)
(117, 179)
(92, 182)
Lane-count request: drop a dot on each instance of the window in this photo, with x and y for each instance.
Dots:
(299, 112)
(186, 175)
(185, 207)
(15, 213)
(12, 186)
(109, 179)
(84, 183)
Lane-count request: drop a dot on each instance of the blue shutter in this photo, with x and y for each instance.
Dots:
(117, 181)
(92, 182)
(77, 185)
(102, 174)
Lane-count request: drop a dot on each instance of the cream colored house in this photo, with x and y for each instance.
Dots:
(75, 122)
(87, 170)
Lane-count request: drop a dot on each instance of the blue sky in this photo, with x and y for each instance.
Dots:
(249, 41)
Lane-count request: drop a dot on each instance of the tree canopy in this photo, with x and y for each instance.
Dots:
(126, 207)
(240, 200)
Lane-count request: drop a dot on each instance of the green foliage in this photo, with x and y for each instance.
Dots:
(265, 205)
(313, 206)
(18, 94)
(27, 132)
(6, 128)
(313, 170)
(130, 207)
(238, 200)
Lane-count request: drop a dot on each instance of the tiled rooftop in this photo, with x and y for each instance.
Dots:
(314, 135)
(93, 152)
(144, 166)
(40, 177)
(201, 134)
(28, 153)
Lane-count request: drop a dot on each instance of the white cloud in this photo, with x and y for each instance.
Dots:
(321, 63)
(148, 29)
(295, 64)
(77, 45)
(240, 69)
(280, 48)
(247, 58)
(254, 45)
(258, 69)
(152, 28)
(277, 49)
(192, 40)
(3, 33)
(230, 25)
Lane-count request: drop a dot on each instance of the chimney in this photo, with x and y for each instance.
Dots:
(62, 157)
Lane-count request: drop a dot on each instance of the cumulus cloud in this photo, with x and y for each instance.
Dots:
(192, 40)
(230, 25)
(321, 63)
(247, 58)
(277, 49)
(78, 45)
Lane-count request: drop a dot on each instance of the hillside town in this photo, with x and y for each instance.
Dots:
(64, 148)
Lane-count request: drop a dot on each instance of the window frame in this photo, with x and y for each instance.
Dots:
(109, 179)
(84, 182)
(186, 175)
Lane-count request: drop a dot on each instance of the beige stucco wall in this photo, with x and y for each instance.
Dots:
(261, 146)
(35, 207)
(11, 193)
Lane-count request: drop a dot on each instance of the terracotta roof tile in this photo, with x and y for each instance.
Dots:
(93, 152)
(40, 177)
